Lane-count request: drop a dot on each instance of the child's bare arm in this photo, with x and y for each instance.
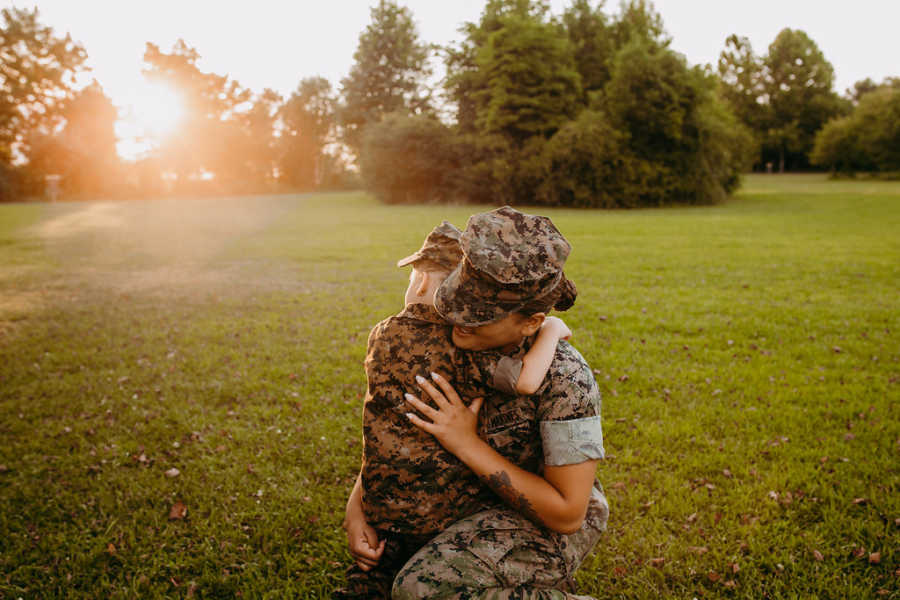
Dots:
(537, 360)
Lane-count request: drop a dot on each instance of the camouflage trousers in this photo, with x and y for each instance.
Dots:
(498, 554)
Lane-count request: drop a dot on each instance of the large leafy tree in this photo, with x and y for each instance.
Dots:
(515, 82)
(389, 74)
(526, 84)
(800, 92)
(37, 77)
(590, 32)
(251, 157)
(209, 138)
(639, 22)
(784, 96)
(83, 151)
(743, 83)
(308, 125)
(464, 81)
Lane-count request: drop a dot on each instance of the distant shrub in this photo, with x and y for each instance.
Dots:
(867, 140)
(407, 159)
(658, 136)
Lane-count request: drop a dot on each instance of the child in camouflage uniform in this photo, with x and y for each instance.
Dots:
(410, 488)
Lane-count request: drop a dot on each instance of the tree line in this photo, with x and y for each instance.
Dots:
(587, 108)
(229, 140)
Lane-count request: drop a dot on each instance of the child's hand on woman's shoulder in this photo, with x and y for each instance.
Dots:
(558, 326)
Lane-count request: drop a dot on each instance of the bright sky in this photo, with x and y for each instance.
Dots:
(276, 43)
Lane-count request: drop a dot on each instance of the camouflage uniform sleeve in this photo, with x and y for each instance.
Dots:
(494, 370)
(569, 411)
(506, 374)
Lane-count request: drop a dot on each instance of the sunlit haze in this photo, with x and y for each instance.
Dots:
(274, 44)
(149, 112)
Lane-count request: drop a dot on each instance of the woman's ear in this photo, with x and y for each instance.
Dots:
(532, 323)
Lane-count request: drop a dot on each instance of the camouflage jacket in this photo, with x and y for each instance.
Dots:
(410, 483)
(559, 425)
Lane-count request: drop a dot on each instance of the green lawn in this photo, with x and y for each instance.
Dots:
(748, 355)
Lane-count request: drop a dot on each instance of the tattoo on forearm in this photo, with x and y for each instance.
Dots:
(502, 484)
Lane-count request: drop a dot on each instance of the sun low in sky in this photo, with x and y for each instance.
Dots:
(150, 112)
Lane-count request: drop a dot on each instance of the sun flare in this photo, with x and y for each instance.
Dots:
(158, 110)
(150, 112)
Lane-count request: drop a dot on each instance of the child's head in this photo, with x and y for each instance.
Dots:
(439, 254)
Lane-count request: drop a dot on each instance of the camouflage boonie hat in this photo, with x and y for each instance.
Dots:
(509, 260)
(440, 247)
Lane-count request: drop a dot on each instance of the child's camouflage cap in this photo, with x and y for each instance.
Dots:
(440, 247)
(510, 259)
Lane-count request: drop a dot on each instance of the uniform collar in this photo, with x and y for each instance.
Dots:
(422, 312)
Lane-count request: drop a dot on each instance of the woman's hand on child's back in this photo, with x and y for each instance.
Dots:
(453, 423)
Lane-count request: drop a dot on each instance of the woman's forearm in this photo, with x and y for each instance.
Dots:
(560, 508)
(557, 500)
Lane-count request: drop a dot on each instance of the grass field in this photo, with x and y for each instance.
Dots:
(748, 355)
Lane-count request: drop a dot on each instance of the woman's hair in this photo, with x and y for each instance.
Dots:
(561, 298)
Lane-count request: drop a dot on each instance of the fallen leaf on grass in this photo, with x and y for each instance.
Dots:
(3, 469)
(735, 568)
(875, 558)
(818, 555)
(699, 550)
(173, 472)
(859, 501)
(726, 473)
(859, 552)
(730, 584)
(657, 562)
(713, 576)
(111, 548)
(178, 511)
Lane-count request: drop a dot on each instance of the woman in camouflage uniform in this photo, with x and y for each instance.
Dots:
(538, 453)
